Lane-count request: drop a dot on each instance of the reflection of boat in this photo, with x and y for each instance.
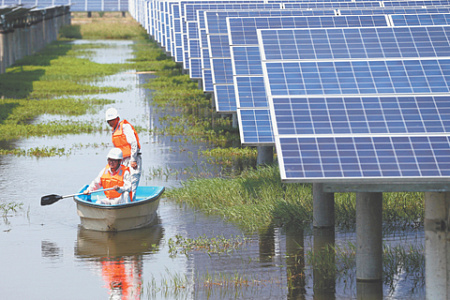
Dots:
(119, 217)
(97, 244)
(119, 256)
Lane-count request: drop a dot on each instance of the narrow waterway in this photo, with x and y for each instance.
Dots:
(44, 254)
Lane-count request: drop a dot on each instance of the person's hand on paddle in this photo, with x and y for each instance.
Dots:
(116, 187)
(133, 164)
(86, 192)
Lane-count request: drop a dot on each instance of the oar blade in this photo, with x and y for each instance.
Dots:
(50, 199)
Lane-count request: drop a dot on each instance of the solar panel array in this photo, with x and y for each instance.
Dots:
(393, 126)
(85, 5)
(252, 104)
(345, 90)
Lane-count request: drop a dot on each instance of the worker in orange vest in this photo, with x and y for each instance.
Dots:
(114, 175)
(125, 137)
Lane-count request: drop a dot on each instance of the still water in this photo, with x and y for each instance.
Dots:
(44, 254)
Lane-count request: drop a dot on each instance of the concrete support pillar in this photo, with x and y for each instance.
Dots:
(2, 65)
(437, 250)
(10, 48)
(323, 207)
(265, 155)
(234, 121)
(369, 266)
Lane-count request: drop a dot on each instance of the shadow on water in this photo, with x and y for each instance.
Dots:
(5, 110)
(17, 82)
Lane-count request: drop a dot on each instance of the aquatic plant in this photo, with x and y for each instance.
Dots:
(10, 207)
(37, 152)
(254, 199)
(213, 245)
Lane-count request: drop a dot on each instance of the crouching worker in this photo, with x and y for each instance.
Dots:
(114, 175)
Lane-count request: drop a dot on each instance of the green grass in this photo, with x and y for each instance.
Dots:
(257, 199)
(53, 72)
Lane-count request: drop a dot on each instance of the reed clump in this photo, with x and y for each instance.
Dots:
(257, 199)
(254, 200)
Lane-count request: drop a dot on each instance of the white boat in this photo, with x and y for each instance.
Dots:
(119, 217)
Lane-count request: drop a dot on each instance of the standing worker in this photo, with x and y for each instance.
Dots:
(125, 137)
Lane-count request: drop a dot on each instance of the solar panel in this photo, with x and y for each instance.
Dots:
(359, 4)
(374, 159)
(387, 124)
(354, 115)
(247, 64)
(356, 43)
(89, 5)
(191, 16)
(395, 10)
(215, 24)
(416, 3)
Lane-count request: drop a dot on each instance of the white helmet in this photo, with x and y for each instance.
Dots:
(111, 114)
(115, 153)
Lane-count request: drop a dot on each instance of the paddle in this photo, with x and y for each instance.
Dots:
(50, 199)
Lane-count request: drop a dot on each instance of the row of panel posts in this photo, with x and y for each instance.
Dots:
(29, 33)
(369, 252)
(369, 240)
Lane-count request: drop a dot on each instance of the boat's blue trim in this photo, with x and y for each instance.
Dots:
(144, 195)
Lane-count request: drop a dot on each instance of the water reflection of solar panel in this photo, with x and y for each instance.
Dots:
(384, 118)
(248, 80)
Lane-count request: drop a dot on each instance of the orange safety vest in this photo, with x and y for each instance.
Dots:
(120, 140)
(109, 180)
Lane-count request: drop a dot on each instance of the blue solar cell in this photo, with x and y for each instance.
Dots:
(361, 115)
(246, 61)
(222, 73)
(364, 157)
(224, 98)
(251, 92)
(257, 126)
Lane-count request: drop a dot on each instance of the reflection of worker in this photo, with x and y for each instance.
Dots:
(123, 277)
(125, 137)
(114, 175)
